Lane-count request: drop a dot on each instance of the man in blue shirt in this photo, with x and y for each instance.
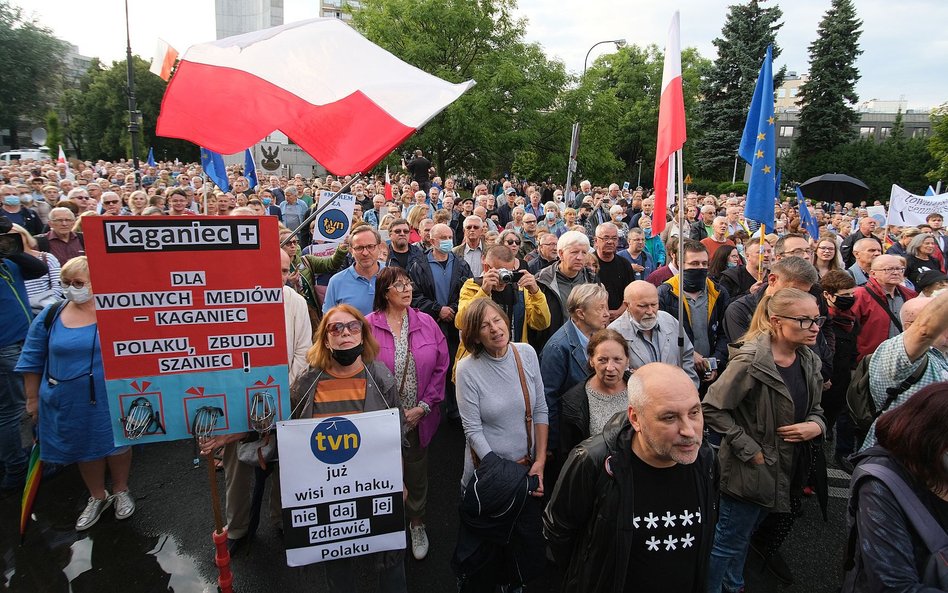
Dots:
(15, 318)
(356, 284)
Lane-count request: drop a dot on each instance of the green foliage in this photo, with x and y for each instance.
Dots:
(938, 145)
(54, 131)
(727, 187)
(512, 106)
(826, 115)
(729, 86)
(30, 68)
(97, 115)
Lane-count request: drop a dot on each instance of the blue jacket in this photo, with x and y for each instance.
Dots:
(563, 364)
(15, 312)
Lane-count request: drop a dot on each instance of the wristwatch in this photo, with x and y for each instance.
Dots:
(424, 407)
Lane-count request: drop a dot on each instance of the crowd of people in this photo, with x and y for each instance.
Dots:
(545, 323)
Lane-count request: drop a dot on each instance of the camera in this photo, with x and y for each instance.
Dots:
(509, 277)
(710, 365)
(10, 244)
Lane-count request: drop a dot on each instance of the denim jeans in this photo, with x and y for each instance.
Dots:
(737, 520)
(12, 406)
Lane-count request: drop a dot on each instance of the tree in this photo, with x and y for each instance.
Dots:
(54, 131)
(97, 114)
(826, 114)
(30, 68)
(507, 112)
(728, 88)
(938, 144)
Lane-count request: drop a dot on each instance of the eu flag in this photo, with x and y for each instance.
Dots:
(213, 165)
(250, 169)
(151, 157)
(758, 148)
(806, 219)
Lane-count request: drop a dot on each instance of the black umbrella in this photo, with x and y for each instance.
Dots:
(834, 187)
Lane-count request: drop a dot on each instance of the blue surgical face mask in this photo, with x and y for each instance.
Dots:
(11, 200)
(550, 215)
(445, 245)
(266, 201)
(731, 264)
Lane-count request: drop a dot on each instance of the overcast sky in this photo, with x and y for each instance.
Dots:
(904, 45)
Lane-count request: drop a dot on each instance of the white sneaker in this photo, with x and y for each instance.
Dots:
(94, 509)
(419, 542)
(124, 504)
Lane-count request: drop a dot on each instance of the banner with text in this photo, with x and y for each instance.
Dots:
(190, 315)
(907, 209)
(341, 486)
(332, 225)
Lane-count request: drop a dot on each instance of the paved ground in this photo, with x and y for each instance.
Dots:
(166, 545)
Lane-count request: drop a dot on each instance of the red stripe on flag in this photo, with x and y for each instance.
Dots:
(671, 137)
(220, 109)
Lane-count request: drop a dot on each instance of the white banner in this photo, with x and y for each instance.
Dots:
(341, 486)
(907, 209)
(332, 225)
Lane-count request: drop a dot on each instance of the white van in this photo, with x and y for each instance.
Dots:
(37, 154)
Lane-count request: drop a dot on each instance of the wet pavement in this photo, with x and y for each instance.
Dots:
(166, 545)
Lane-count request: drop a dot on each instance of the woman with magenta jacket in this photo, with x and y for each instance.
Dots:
(415, 351)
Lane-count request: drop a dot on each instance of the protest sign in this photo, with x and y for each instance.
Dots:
(907, 209)
(877, 213)
(332, 224)
(341, 486)
(190, 315)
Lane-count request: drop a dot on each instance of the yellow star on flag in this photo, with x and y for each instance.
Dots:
(761, 136)
(766, 169)
(770, 120)
(759, 154)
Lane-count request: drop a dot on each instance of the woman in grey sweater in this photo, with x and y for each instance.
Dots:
(493, 412)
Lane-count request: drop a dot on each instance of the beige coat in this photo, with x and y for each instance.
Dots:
(747, 405)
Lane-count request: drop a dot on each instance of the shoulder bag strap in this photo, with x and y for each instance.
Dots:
(927, 528)
(885, 307)
(528, 416)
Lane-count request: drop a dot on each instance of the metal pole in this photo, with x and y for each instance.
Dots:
(319, 210)
(638, 182)
(133, 124)
(681, 259)
(571, 165)
(734, 175)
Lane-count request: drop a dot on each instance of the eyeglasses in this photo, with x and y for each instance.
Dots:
(62, 220)
(110, 202)
(74, 283)
(471, 228)
(828, 248)
(293, 242)
(398, 232)
(806, 322)
(401, 286)
(529, 221)
(511, 242)
(799, 251)
(891, 270)
(364, 248)
(336, 329)
(608, 239)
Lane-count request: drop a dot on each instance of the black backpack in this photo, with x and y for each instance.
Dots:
(862, 408)
(920, 520)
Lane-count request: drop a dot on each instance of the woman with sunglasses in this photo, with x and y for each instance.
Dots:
(65, 393)
(413, 348)
(766, 406)
(345, 378)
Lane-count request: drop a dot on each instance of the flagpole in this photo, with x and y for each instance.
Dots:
(206, 187)
(133, 123)
(319, 210)
(681, 259)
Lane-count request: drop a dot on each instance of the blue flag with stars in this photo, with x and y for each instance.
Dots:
(250, 169)
(806, 219)
(758, 148)
(151, 157)
(213, 165)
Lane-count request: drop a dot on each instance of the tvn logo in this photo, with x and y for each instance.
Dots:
(335, 440)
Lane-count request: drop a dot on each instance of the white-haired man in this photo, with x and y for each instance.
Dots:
(557, 281)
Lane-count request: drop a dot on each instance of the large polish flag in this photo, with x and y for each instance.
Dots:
(671, 124)
(342, 99)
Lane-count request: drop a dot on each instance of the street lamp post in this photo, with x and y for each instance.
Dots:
(574, 141)
(638, 183)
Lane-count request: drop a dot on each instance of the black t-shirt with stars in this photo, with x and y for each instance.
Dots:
(667, 522)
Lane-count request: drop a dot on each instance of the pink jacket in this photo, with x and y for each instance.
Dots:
(430, 350)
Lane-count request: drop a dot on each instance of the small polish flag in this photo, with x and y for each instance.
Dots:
(671, 124)
(62, 159)
(163, 62)
(388, 186)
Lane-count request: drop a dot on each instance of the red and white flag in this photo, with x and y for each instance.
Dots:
(388, 186)
(341, 98)
(62, 156)
(164, 59)
(671, 124)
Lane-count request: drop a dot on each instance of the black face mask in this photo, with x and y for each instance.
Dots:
(694, 280)
(348, 356)
(844, 302)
